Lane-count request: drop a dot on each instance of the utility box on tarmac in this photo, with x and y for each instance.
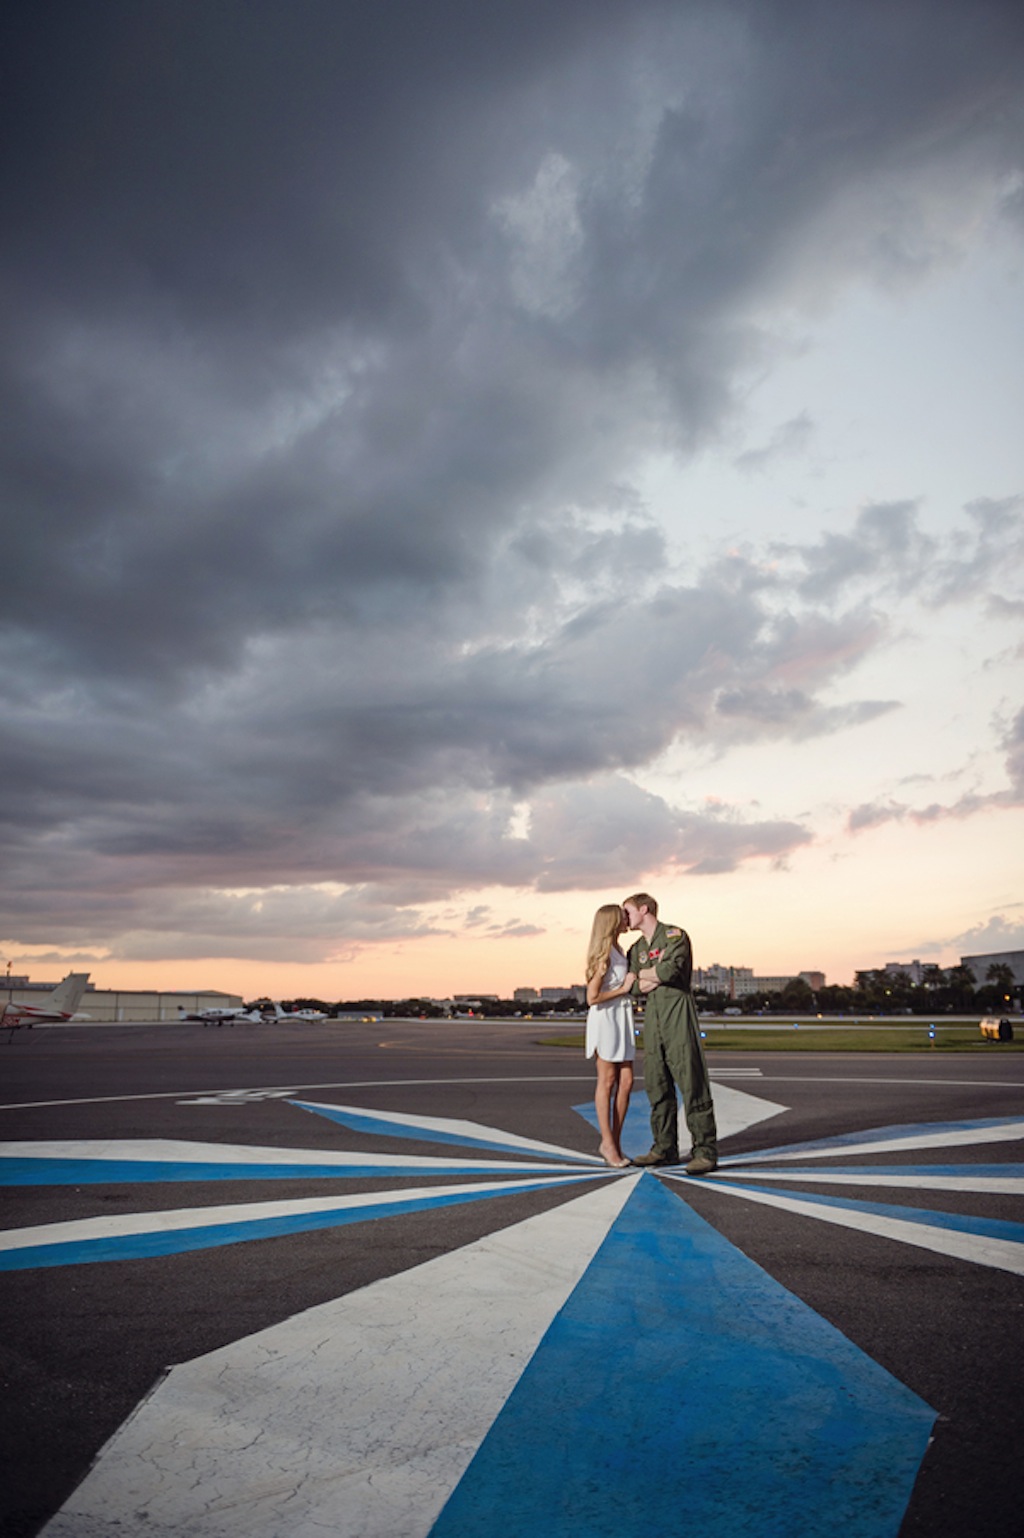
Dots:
(997, 1030)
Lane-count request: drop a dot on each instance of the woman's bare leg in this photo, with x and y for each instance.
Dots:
(623, 1090)
(605, 1098)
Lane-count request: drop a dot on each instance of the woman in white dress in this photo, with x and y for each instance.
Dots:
(610, 1039)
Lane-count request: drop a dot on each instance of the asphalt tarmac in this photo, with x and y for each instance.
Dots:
(89, 1333)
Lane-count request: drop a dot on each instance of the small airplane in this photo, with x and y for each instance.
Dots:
(55, 1007)
(255, 1014)
(226, 1015)
(269, 1011)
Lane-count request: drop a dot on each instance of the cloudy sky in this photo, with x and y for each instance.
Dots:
(465, 462)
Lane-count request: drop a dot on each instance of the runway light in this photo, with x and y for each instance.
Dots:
(795, 1026)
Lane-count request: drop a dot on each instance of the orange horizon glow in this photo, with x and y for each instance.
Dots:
(841, 906)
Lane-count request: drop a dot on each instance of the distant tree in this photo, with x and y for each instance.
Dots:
(835, 999)
(1001, 976)
(996, 993)
(797, 994)
(870, 991)
(959, 989)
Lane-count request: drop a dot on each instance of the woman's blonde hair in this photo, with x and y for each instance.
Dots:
(603, 934)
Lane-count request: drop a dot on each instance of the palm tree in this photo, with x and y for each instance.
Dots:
(1001, 977)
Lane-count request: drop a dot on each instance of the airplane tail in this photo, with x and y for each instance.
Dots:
(67, 994)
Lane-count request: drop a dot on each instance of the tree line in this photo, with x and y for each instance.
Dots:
(951, 990)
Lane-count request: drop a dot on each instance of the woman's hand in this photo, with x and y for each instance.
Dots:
(630, 979)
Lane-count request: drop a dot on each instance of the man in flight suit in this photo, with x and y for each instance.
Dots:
(662, 963)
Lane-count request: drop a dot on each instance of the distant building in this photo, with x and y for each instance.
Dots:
(917, 972)
(719, 979)
(474, 998)
(979, 965)
(754, 985)
(742, 983)
(575, 991)
(137, 1004)
(526, 995)
(10, 985)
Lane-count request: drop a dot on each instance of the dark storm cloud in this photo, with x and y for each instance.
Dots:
(335, 331)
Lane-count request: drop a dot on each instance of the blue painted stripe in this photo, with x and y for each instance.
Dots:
(888, 1171)
(681, 1389)
(964, 1223)
(175, 1241)
(381, 1126)
(66, 1172)
(935, 1131)
(636, 1134)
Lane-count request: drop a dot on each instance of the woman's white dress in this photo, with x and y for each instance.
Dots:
(610, 1025)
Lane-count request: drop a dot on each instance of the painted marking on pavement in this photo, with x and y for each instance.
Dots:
(988, 1179)
(735, 1110)
(129, 1236)
(212, 1096)
(269, 1488)
(983, 1242)
(109, 1161)
(680, 1378)
(439, 1129)
(953, 1134)
(274, 1091)
(355, 1418)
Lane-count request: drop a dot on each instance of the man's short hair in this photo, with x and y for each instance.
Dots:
(642, 900)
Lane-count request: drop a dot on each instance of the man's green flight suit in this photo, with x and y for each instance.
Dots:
(672, 1048)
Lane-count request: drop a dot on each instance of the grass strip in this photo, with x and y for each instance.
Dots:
(812, 1037)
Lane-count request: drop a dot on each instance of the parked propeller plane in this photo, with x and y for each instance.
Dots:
(221, 1016)
(255, 1014)
(61, 1004)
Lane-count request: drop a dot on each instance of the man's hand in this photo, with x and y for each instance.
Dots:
(648, 979)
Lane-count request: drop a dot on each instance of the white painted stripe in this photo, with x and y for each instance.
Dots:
(187, 1096)
(356, 1418)
(735, 1111)
(277, 1091)
(1001, 1254)
(924, 1082)
(1010, 1185)
(171, 1151)
(938, 1137)
(122, 1224)
(449, 1127)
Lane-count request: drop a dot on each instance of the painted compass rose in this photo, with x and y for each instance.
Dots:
(610, 1366)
